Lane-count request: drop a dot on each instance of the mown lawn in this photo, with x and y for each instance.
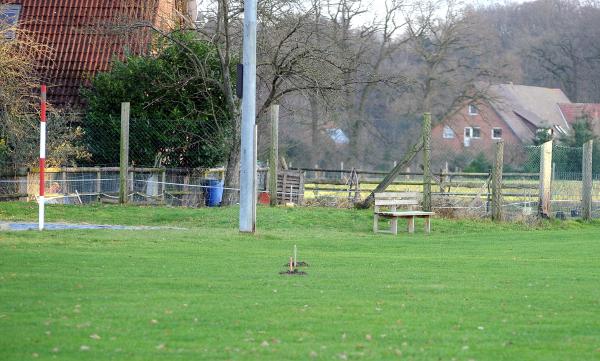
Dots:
(472, 290)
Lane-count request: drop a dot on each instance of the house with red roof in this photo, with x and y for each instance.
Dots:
(509, 112)
(85, 36)
(572, 112)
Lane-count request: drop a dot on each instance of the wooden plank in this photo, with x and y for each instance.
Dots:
(411, 225)
(396, 202)
(406, 214)
(387, 195)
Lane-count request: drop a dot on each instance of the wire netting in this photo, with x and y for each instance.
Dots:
(566, 181)
(177, 143)
(520, 186)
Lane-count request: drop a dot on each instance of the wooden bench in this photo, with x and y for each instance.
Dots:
(391, 201)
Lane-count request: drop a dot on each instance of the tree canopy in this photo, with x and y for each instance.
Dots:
(178, 114)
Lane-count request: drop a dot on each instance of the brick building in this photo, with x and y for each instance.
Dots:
(509, 112)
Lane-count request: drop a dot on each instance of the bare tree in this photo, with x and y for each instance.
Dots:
(21, 57)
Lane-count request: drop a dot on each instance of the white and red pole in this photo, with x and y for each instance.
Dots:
(42, 157)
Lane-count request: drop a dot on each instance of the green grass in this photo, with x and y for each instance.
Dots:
(471, 290)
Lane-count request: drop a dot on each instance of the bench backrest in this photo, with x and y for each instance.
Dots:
(394, 200)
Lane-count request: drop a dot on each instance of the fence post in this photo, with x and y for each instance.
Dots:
(98, 184)
(427, 162)
(163, 181)
(274, 156)
(497, 183)
(545, 179)
(124, 159)
(586, 191)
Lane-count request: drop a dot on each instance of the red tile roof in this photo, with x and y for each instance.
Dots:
(72, 28)
(574, 111)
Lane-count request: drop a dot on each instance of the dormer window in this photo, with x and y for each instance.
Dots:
(9, 16)
(473, 109)
(448, 133)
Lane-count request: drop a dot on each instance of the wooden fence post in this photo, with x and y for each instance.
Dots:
(98, 184)
(497, 183)
(545, 180)
(427, 162)
(124, 159)
(586, 191)
(274, 155)
(163, 181)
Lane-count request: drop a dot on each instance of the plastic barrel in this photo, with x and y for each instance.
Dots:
(214, 192)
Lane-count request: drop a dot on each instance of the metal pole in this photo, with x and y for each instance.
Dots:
(247, 178)
(41, 199)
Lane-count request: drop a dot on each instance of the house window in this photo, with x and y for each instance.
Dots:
(473, 109)
(468, 132)
(496, 133)
(448, 133)
(9, 15)
(476, 132)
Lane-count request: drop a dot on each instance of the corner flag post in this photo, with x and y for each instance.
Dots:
(41, 200)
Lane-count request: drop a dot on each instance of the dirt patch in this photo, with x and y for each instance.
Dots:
(293, 273)
(298, 264)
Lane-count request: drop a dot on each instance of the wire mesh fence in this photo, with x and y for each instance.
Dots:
(171, 143)
(173, 187)
(520, 188)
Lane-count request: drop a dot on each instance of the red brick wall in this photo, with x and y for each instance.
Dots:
(448, 149)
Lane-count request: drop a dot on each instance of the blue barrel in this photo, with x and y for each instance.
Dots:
(214, 192)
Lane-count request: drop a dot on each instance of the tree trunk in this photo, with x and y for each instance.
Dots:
(314, 115)
(231, 193)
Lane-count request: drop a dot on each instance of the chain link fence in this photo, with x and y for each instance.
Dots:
(180, 143)
(520, 187)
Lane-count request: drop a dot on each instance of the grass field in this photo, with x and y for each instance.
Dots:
(472, 290)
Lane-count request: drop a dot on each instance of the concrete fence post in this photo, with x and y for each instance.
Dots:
(545, 197)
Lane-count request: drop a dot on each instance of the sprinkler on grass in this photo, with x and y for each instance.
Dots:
(293, 264)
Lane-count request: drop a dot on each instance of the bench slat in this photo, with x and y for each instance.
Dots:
(405, 214)
(396, 202)
(387, 195)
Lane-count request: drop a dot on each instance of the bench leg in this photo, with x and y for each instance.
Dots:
(411, 224)
(427, 224)
(394, 223)
(375, 223)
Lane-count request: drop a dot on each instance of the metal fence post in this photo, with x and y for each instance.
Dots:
(586, 191)
(497, 183)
